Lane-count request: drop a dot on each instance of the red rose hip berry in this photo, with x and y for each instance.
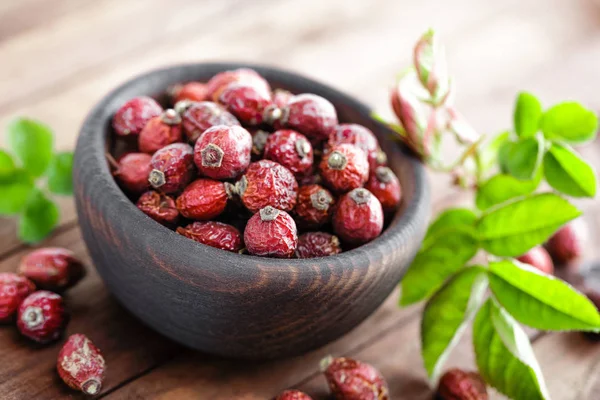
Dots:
(317, 244)
(267, 183)
(309, 114)
(344, 168)
(566, 245)
(198, 117)
(293, 395)
(204, 199)
(42, 317)
(385, 186)
(249, 104)
(132, 172)
(217, 84)
(539, 258)
(223, 152)
(81, 365)
(215, 234)
(314, 206)
(350, 379)
(456, 384)
(358, 217)
(159, 207)
(290, 149)
(191, 91)
(160, 131)
(359, 136)
(13, 290)
(271, 232)
(52, 268)
(172, 168)
(133, 116)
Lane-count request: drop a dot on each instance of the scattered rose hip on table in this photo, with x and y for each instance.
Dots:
(204, 199)
(133, 116)
(293, 395)
(271, 232)
(198, 117)
(314, 206)
(358, 217)
(344, 168)
(539, 258)
(214, 234)
(317, 244)
(159, 207)
(223, 152)
(456, 384)
(52, 268)
(267, 183)
(172, 168)
(132, 172)
(350, 379)
(385, 186)
(42, 317)
(566, 245)
(191, 91)
(81, 365)
(13, 290)
(309, 114)
(160, 131)
(290, 149)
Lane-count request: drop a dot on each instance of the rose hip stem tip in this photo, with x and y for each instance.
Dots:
(91, 386)
(32, 317)
(384, 174)
(360, 195)
(171, 117)
(325, 363)
(157, 178)
(111, 161)
(320, 200)
(182, 105)
(337, 160)
(302, 147)
(271, 114)
(212, 156)
(268, 213)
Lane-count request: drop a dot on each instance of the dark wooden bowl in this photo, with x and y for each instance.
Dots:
(225, 303)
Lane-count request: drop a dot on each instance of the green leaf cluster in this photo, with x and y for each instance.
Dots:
(30, 172)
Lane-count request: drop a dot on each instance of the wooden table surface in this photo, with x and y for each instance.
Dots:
(58, 57)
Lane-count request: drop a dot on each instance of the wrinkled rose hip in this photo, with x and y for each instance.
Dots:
(223, 152)
(191, 91)
(385, 186)
(566, 245)
(249, 104)
(271, 232)
(172, 168)
(160, 132)
(309, 114)
(52, 268)
(359, 136)
(204, 199)
(13, 290)
(293, 395)
(214, 234)
(456, 384)
(539, 258)
(198, 117)
(81, 365)
(350, 379)
(344, 168)
(314, 206)
(290, 149)
(317, 244)
(267, 183)
(358, 217)
(217, 84)
(131, 118)
(159, 207)
(42, 316)
(132, 172)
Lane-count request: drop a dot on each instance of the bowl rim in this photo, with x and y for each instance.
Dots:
(92, 133)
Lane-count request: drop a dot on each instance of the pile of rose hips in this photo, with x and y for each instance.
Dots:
(41, 315)
(232, 155)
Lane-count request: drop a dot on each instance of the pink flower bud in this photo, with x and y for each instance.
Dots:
(430, 64)
(412, 116)
(457, 124)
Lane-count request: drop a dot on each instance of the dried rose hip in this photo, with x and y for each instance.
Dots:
(214, 234)
(159, 207)
(259, 141)
(81, 365)
(566, 245)
(290, 149)
(267, 183)
(172, 168)
(293, 395)
(223, 152)
(594, 297)
(220, 81)
(191, 91)
(344, 168)
(52, 268)
(309, 114)
(456, 384)
(281, 97)
(42, 316)
(132, 172)
(314, 206)
(198, 117)
(386, 187)
(13, 290)
(358, 217)
(131, 118)
(160, 131)
(271, 232)
(317, 244)
(539, 258)
(249, 104)
(350, 379)
(204, 199)
(359, 136)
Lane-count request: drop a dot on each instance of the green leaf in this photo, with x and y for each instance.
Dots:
(539, 300)
(571, 122)
(527, 115)
(450, 250)
(60, 173)
(39, 218)
(568, 173)
(451, 218)
(501, 188)
(488, 152)
(7, 165)
(15, 190)
(32, 143)
(513, 228)
(522, 158)
(504, 355)
(446, 316)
